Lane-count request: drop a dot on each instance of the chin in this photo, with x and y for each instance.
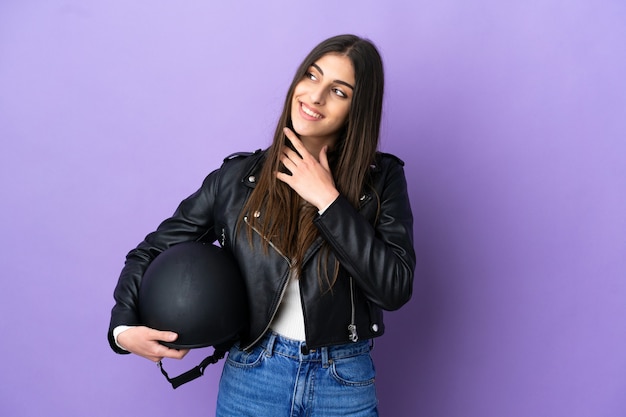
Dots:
(298, 129)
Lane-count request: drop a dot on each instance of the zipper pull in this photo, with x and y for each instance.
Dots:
(353, 336)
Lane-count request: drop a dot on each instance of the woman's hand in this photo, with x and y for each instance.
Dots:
(144, 341)
(310, 178)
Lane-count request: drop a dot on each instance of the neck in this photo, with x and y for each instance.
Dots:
(314, 145)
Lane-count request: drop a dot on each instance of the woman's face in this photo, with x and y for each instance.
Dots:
(321, 100)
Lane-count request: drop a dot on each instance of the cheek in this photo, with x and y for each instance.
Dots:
(298, 91)
(344, 112)
(294, 107)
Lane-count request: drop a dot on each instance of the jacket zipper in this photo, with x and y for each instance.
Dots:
(283, 290)
(352, 333)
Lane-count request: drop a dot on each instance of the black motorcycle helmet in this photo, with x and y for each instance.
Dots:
(196, 290)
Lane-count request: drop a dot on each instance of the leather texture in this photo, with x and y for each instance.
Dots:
(373, 243)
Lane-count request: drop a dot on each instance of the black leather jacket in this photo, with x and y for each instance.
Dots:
(374, 245)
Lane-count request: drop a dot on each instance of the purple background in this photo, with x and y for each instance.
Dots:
(511, 117)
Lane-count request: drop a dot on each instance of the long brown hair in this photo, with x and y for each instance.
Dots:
(278, 212)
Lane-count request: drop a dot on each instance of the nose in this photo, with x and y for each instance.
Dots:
(317, 95)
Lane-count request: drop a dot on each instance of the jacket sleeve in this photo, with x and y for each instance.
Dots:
(380, 257)
(191, 221)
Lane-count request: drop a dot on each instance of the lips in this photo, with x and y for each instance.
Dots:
(310, 112)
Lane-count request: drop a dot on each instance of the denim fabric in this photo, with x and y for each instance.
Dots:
(276, 379)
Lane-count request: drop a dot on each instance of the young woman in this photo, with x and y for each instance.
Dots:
(321, 226)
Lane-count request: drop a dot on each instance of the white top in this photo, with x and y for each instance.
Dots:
(289, 319)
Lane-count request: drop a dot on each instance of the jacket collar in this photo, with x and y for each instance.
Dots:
(251, 175)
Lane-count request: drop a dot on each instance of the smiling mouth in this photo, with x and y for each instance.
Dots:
(309, 112)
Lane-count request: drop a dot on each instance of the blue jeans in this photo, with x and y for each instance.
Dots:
(277, 379)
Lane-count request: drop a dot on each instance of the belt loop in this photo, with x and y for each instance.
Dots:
(325, 361)
(269, 349)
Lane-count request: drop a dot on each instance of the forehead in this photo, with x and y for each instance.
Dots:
(336, 67)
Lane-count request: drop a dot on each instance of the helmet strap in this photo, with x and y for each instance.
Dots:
(196, 372)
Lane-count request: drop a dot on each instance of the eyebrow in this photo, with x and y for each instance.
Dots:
(336, 81)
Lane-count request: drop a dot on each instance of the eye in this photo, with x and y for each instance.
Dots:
(339, 92)
(310, 76)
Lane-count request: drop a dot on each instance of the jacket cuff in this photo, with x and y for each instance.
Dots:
(113, 343)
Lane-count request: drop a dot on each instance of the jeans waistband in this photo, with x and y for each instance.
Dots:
(273, 343)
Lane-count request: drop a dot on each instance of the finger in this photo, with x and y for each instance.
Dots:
(157, 351)
(165, 336)
(154, 353)
(297, 144)
(290, 156)
(175, 353)
(287, 164)
(286, 178)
